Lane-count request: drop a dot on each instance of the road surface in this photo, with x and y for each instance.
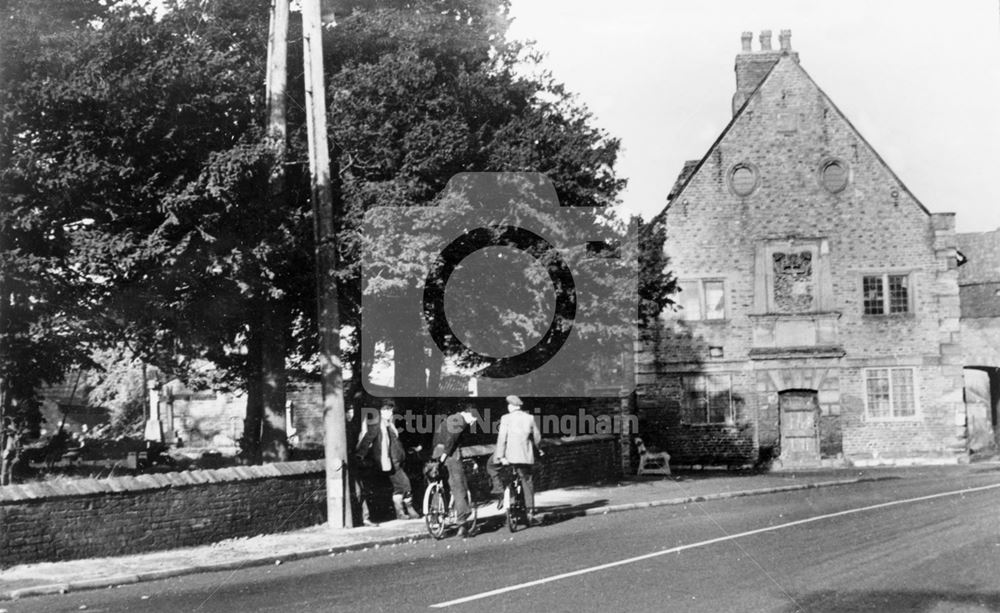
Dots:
(928, 545)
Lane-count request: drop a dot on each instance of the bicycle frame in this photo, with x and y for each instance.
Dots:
(439, 510)
(513, 497)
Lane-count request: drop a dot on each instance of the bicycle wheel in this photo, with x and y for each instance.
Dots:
(512, 503)
(435, 510)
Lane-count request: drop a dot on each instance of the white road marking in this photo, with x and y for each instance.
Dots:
(663, 552)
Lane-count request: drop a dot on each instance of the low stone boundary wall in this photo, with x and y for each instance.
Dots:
(50, 521)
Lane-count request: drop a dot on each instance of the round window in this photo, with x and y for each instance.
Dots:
(833, 176)
(743, 179)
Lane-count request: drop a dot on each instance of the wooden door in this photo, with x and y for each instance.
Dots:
(799, 415)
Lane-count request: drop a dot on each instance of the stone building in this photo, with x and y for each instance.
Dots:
(819, 304)
(979, 289)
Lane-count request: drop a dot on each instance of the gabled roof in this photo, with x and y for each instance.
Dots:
(686, 172)
(676, 191)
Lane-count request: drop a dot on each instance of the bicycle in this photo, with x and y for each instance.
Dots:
(513, 501)
(439, 509)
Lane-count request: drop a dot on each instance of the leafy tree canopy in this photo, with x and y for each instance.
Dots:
(134, 168)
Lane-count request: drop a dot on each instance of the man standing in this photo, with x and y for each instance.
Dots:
(447, 448)
(358, 487)
(517, 442)
(10, 447)
(379, 446)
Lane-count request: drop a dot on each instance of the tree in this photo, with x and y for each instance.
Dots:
(136, 156)
(656, 283)
(434, 98)
(119, 384)
(136, 167)
(43, 304)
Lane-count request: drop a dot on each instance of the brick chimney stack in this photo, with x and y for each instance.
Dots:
(752, 67)
(765, 40)
(785, 38)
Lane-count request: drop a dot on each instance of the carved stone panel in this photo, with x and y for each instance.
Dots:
(794, 285)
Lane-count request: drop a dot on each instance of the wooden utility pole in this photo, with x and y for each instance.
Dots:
(335, 439)
(277, 79)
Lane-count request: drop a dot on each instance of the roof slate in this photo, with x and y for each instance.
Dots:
(982, 251)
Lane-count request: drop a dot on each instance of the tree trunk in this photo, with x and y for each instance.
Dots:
(253, 424)
(366, 355)
(4, 476)
(273, 444)
(355, 361)
(409, 361)
(435, 364)
(273, 381)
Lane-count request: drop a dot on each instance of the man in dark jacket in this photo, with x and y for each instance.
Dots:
(380, 448)
(447, 448)
(359, 491)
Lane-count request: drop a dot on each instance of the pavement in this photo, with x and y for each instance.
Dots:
(271, 549)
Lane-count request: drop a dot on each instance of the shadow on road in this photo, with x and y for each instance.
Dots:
(896, 601)
(559, 513)
(552, 514)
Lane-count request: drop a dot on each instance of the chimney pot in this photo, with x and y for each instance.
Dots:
(765, 40)
(786, 40)
(746, 38)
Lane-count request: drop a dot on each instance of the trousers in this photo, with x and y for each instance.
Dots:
(526, 471)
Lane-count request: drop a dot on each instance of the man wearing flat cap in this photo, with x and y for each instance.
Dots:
(517, 442)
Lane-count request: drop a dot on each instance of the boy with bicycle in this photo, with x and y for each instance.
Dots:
(446, 448)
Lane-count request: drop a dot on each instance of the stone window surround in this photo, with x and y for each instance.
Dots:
(885, 273)
(701, 281)
(732, 172)
(824, 163)
(916, 416)
(821, 168)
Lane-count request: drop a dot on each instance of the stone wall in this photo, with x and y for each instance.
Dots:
(202, 418)
(87, 518)
(103, 517)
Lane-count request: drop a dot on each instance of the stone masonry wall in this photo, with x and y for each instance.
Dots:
(122, 515)
(203, 418)
(87, 518)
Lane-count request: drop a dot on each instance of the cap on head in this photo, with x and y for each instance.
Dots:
(514, 400)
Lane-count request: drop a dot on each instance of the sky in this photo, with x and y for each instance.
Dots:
(920, 79)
